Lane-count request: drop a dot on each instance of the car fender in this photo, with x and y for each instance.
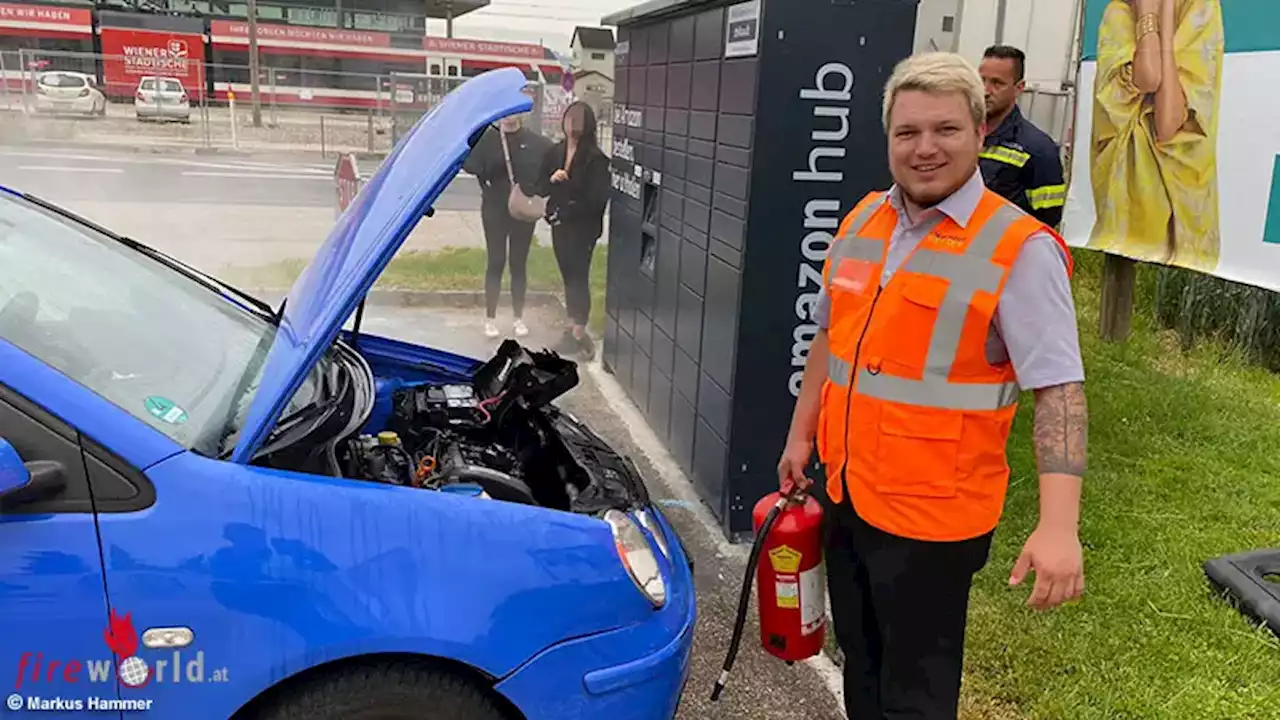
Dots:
(278, 572)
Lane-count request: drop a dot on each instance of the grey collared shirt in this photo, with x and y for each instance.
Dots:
(1035, 321)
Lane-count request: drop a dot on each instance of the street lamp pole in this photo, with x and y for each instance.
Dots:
(253, 64)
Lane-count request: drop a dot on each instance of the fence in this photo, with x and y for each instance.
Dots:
(325, 111)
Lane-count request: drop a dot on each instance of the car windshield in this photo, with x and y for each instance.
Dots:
(172, 86)
(58, 80)
(152, 340)
(148, 84)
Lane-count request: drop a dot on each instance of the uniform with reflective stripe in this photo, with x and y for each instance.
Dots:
(915, 418)
(1049, 196)
(1007, 155)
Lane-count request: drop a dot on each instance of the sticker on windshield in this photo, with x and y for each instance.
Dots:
(165, 410)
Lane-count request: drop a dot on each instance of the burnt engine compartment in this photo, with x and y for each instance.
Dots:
(500, 434)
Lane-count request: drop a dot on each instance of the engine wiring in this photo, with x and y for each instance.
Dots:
(483, 406)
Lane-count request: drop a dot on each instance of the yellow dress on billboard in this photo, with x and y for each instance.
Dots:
(1157, 200)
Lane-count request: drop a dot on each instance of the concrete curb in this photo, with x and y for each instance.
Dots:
(670, 475)
(424, 298)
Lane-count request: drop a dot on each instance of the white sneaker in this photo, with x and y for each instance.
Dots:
(520, 328)
(490, 329)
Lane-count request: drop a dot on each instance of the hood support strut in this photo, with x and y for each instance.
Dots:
(355, 329)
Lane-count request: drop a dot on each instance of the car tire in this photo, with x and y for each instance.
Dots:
(383, 690)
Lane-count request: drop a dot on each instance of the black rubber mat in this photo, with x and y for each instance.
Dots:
(1252, 579)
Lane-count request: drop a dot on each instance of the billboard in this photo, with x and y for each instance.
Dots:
(129, 54)
(1177, 154)
(45, 21)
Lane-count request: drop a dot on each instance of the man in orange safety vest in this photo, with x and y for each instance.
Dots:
(942, 301)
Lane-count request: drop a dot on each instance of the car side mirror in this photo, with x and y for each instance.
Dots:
(14, 475)
(22, 483)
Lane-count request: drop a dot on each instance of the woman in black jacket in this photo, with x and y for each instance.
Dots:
(576, 180)
(504, 235)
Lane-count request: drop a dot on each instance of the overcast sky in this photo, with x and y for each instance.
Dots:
(548, 21)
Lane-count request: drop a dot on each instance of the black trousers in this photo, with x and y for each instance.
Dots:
(899, 608)
(574, 247)
(502, 233)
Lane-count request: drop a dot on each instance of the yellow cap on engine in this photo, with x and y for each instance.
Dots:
(387, 437)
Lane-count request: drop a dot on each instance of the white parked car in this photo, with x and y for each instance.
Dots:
(75, 93)
(162, 98)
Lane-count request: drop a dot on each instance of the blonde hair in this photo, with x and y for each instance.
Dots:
(936, 73)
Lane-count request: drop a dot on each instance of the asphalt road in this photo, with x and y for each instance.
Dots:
(104, 175)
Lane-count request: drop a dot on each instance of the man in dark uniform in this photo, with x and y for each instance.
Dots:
(1020, 161)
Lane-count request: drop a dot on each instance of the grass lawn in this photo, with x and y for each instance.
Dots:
(1183, 466)
(449, 269)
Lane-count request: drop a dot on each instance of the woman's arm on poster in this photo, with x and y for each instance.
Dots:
(1171, 98)
(1148, 57)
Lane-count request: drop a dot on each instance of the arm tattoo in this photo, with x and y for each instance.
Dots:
(1062, 429)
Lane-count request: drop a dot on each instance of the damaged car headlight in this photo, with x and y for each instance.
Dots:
(637, 556)
(649, 523)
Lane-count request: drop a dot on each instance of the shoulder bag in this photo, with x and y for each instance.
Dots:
(521, 207)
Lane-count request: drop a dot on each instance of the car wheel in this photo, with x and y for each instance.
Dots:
(383, 690)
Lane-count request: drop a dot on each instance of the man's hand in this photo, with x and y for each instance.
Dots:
(559, 176)
(791, 467)
(1053, 550)
(1058, 561)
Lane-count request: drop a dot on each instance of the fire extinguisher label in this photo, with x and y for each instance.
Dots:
(813, 600)
(785, 560)
(787, 590)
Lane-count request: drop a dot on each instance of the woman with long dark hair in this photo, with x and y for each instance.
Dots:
(576, 181)
(506, 152)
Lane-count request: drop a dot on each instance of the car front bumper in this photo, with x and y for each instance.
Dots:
(632, 673)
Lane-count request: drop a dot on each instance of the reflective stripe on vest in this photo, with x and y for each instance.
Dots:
(968, 272)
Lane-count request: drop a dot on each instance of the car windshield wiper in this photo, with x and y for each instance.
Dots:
(202, 278)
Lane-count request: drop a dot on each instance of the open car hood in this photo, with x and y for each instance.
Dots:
(367, 236)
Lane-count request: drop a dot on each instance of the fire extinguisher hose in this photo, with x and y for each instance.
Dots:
(744, 598)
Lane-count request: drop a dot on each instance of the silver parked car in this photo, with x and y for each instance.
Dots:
(162, 98)
(73, 93)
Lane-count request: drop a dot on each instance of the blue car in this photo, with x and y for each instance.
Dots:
(215, 508)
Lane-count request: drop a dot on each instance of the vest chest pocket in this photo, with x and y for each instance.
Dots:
(911, 323)
(918, 451)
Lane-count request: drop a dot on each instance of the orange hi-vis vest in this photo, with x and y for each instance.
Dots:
(915, 418)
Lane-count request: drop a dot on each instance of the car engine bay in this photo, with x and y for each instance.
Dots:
(497, 437)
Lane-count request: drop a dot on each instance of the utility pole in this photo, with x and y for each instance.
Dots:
(448, 20)
(254, 95)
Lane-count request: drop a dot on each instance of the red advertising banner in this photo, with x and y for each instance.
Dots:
(455, 46)
(299, 34)
(129, 55)
(72, 17)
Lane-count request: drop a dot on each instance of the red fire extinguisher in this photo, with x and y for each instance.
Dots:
(792, 586)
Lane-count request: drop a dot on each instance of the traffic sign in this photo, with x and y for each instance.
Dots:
(346, 177)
